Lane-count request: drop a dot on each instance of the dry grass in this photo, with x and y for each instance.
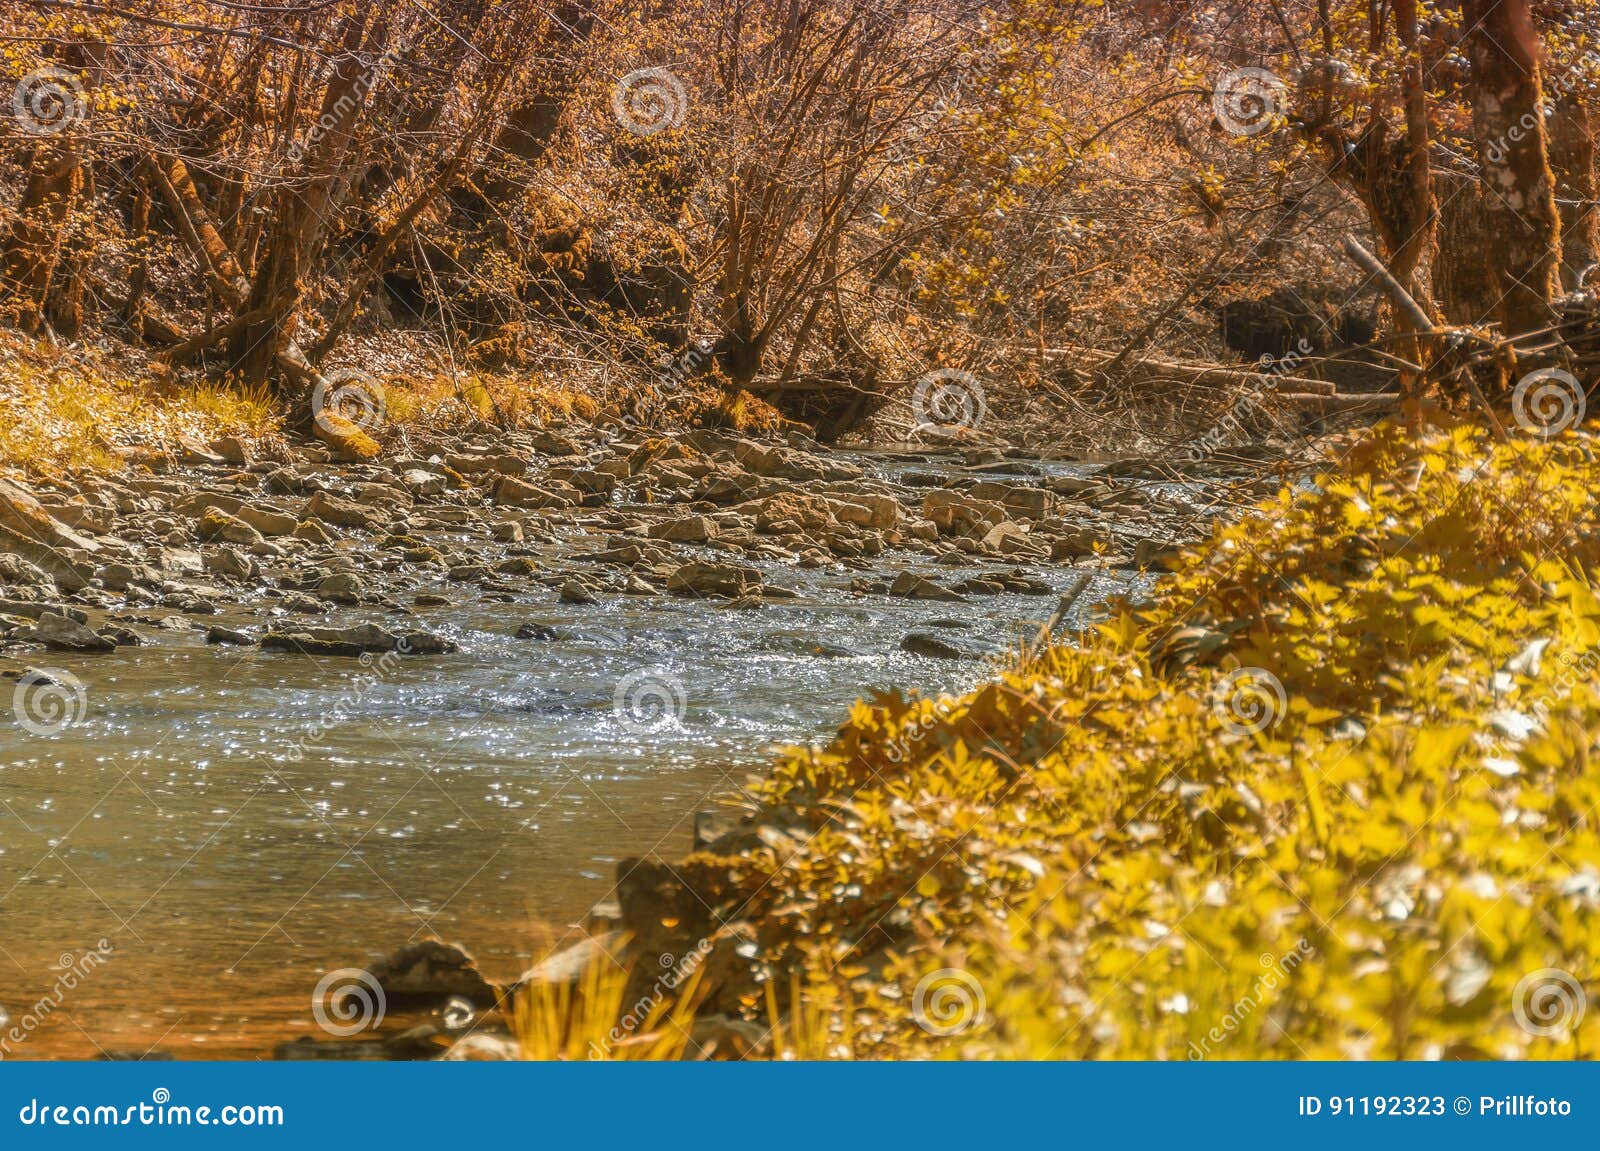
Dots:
(60, 412)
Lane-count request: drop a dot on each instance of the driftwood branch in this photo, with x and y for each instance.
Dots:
(1419, 320)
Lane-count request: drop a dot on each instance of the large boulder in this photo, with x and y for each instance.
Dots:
(1019, 500)
(429, 972)
(362, 639)
(910, 585)
(793, 512)
(218, 526)
(688, 529)
(31, 533)
(956, 513)
(717, 580)
(59, 633)
(332, 509)
(520, 494)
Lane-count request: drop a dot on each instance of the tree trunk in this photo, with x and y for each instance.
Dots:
(305, 205)
(1421, 217)
(1524, 229)
(1463, 285)
(1572, 144)
(32, 248)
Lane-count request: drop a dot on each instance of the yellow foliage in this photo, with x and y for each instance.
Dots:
(57, 413)
(1358, 821)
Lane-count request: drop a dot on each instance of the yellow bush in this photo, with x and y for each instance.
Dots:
(1329, 795)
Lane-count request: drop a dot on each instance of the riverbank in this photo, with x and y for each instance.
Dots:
(291, 710)
(1329, 793)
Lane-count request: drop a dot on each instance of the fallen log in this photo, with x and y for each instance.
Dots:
(1194, 372)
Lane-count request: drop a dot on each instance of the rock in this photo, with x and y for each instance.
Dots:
(868, 510)
(119, 576)
(910, 585)
(956, 513)
(217, 634)
(792, 513)
(217, 524)
(98, 520)
(230, 562)
(59, 633)
(507, 532)
(431, 599)
(537, 631)
(519, 493)
(345, 438)
(342, 512)
(354, 641)
(29, 532)
(312, 532)
(31, 610)
(689, 529)
(587, 480)
(431, 971)
(568, 965)
(724, 581)
(1017, 499)
(1009, 538)
(481, 1047)
(574, 592)
(921, 643)
(552, 444)
(487, 464)
(267, 521)
(518, 566)
(420, 482)
(1153, 553)
(342, 587)
(232, 449)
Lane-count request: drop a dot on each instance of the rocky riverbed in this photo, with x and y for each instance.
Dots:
(404, 652)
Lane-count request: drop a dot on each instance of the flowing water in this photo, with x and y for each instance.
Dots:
(233, 823)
